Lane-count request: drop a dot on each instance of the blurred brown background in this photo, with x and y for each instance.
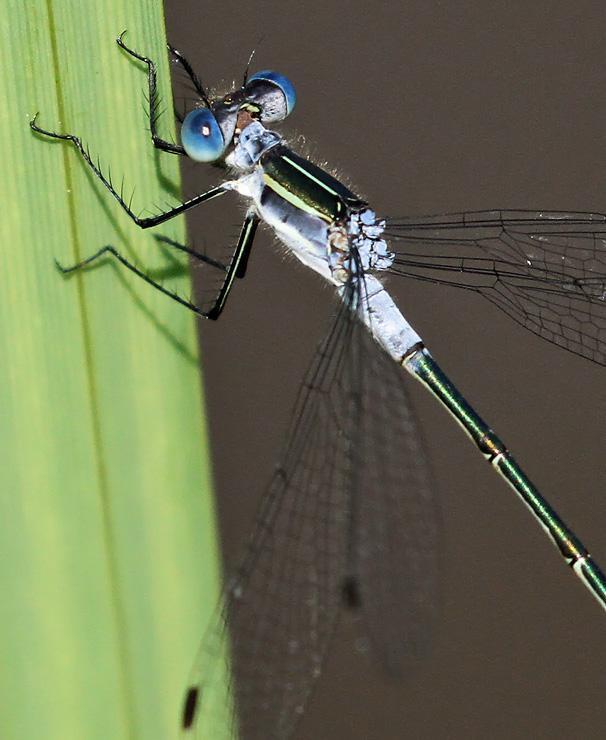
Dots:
(432, 107)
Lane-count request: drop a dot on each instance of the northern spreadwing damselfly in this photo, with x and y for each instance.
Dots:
(348, 519)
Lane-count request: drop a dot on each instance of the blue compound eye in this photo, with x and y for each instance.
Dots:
(201, 136)
(274, 80)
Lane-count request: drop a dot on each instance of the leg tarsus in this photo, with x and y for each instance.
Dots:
(52, 134)
(85, 262)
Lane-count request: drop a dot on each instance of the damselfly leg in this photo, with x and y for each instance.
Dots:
(146, 222)
(154, 111)
(239, 260)
(236, 268)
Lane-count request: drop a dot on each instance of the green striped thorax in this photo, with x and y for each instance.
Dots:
(308, 186)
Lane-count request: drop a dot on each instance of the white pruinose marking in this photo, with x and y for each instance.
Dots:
(325, 247)
(365, 232)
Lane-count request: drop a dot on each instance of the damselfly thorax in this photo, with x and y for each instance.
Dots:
(323, 223)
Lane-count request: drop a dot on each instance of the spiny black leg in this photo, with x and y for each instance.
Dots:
(144, 223)
(192, 252)
(237, 267)
(195, 80)
(129, 265)
(152, 79)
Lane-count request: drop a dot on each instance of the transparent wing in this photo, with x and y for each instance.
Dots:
(546, 270)
(396, 517)
(334, 527)
(279, 610)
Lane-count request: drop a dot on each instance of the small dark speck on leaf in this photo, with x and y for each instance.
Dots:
(189, 707)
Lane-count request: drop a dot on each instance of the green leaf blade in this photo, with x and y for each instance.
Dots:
(108, 548)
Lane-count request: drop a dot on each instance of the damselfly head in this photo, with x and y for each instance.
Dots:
(206, 133)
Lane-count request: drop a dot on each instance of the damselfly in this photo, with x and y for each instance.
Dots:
(323, 539)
